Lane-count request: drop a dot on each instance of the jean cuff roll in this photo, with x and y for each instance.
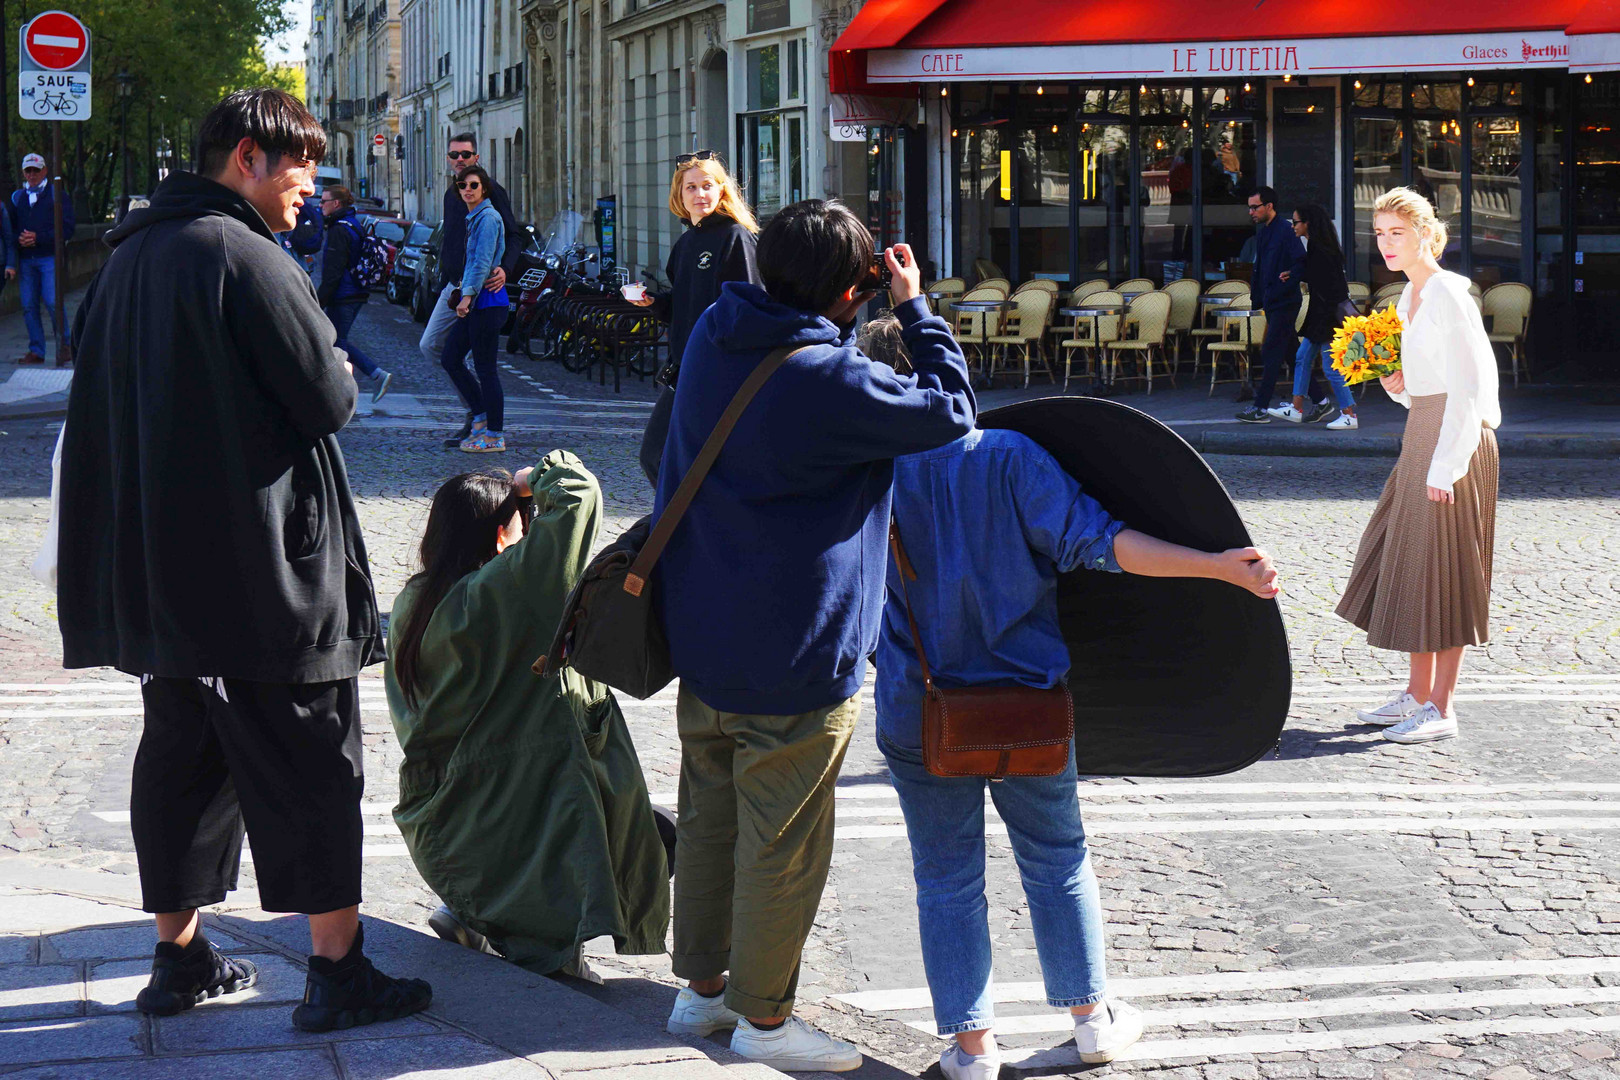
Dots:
(976, 1023)
(1065, 1003)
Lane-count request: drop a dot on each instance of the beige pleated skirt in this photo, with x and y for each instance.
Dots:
(1422, 576)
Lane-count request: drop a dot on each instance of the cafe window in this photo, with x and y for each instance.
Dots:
(1165, 196)
(1227, 161)
(1377, 155)
(1103, 201)
(1437, 175)
(1496, 231)
(1378, 94)
(771, 133)
(1551, 131)
(1043, 156)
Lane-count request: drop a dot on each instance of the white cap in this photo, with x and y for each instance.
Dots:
(33, 161)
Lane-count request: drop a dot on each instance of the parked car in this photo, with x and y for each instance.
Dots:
(425, 292)
(402, 282)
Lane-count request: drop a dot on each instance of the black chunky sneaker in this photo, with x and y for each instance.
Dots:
(351, 992)
(455, 441)
(183, 977)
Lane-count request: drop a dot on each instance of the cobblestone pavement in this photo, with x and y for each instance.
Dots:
(1346, 908)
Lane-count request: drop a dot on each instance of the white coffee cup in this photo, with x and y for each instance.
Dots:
(634, 292)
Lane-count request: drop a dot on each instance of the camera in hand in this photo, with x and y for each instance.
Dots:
(879, 276)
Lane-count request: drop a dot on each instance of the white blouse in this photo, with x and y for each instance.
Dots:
(1446, 351)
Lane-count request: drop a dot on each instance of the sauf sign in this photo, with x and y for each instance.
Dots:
(53, 68)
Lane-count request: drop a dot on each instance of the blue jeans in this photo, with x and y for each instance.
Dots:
(480, 331)
(343, 316)
(37, 279)
(945, 823)
(1303, 363)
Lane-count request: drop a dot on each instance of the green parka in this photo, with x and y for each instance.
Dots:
(521, 798)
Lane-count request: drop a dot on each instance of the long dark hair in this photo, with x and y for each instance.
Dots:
(468, 513)
(1319, 228)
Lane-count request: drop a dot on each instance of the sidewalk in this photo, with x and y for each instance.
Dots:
(36, 390)
(72, 961)
(1537, 421)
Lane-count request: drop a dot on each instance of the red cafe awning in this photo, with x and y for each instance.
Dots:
(892, 42)
(1594, 37)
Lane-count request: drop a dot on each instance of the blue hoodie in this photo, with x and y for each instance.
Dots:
(771, 589)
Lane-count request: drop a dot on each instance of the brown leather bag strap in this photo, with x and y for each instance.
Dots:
(636, 579)
(904, 568)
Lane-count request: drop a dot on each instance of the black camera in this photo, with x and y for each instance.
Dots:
(879, 276)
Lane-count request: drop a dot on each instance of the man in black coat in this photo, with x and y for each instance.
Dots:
(1279, 263)
(463, 155)
(210, 545)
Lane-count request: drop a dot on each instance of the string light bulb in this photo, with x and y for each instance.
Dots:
(943, 92)
(953, 133)
(1470, 80)
(1054, 129)
(1288, 78)
(1040, 90)
(1245, 88)
(1589, 78)
(1358, 84)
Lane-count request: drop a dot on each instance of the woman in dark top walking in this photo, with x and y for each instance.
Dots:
(717, 247)
(1324, 277)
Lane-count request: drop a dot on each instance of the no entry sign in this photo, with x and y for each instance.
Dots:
(56, 40)
(53, 68)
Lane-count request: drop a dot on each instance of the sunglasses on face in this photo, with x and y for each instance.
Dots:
(696, 156)
(469, 185)
(461, 155)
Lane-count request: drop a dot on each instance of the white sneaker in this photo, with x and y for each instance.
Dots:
(379, 385)
(958, 1064)
(1102, 1035)
(1287, 412)
(1425, 725)
(1397, 709)
(695, 1014)
(1345, 422)
(794, 1047)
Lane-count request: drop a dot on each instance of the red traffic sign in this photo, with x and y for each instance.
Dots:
(379, 139)
(56, 40)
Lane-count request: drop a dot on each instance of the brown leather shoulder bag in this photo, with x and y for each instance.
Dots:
(993, 731)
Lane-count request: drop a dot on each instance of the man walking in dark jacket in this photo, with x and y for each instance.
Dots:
(771, 597)
(341, 294)
(463, 155)
(1279, 264)
(210, 545)
(34, 216)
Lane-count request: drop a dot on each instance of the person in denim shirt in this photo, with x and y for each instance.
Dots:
(989, 522)
(480, 313)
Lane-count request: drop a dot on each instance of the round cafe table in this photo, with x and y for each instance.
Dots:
(984, 306)
(1096, 312)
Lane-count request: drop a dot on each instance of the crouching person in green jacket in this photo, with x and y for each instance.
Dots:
(521, 799)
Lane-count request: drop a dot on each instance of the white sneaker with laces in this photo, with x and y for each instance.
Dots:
(1345, 422)
(1287, 412)
(1101, 1035)
(1393, 711)
(695, 1014)
(958, 1064)
(1425, 725)
(794, 1047)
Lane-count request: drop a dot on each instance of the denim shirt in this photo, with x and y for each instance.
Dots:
(988, 522)
(486, 244)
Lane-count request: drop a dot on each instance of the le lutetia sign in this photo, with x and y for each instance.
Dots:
(53, 68)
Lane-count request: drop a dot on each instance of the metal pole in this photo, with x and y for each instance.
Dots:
(123, 140)
(64, 354)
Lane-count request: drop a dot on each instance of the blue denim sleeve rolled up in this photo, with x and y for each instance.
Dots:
(1061, 521)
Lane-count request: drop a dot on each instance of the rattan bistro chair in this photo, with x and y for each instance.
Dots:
(1086, 288)
(1044, 284)
(974, 327)
(1242, 337)
(1386, 295)
(1091, 334)
(1137, 284)
(1143, 335)
(1359, 295)
(1508, 307)
(1183, 295)
(1061, 330)
(1025, 330)
(995, 283)
(1212, 328)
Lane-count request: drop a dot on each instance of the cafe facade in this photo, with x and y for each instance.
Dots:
(1080, 140)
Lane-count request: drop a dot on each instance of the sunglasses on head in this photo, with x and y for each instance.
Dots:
(461, 155)
(695, 156)
(468, 185)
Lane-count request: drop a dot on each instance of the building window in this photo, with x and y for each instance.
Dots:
(771, 135)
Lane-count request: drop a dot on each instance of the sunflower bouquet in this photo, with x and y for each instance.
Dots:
(1367, 346)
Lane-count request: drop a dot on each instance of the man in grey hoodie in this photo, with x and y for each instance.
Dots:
(210, 545)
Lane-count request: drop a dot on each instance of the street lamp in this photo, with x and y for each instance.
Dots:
(126, 88)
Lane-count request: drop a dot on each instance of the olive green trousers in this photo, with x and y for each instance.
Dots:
(754, 844)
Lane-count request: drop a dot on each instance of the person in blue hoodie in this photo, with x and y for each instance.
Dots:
(771, 594)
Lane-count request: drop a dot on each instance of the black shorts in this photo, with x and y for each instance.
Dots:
(283, 758)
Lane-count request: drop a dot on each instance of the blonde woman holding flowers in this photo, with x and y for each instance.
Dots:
(1422, 577)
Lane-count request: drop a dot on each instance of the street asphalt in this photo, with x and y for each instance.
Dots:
(1345, 908)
